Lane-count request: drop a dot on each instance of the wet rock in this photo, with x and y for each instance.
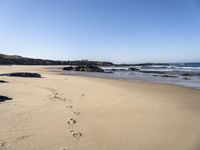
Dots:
(22, 74)
(186, 74)
(133, 69)
(70, 68)
(85, 68)
(113, 70)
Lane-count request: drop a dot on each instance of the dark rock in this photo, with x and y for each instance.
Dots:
(118, 70)
(169, 76)
(4, 98)
(2, 81)
(186, 74)
(85, 68)
(155, 75)
(186, 78)
(70, 68)
(22, 74)
(133, 69)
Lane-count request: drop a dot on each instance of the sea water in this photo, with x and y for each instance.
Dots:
(185, 74)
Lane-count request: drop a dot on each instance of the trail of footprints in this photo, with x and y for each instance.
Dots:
(55, 95)
(71, 122)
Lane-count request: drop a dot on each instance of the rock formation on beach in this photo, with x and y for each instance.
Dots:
(86, 68)
(22, 74)
(2, 81)
(133, 69)
(4, 98)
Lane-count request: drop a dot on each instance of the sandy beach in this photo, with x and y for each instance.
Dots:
(60, 112)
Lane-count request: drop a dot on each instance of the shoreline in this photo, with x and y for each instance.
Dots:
(132, 81)
(105, 75)
(54, 69)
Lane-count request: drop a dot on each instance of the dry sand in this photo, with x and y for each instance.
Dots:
(60, 112)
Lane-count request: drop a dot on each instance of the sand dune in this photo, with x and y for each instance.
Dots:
(59, 112)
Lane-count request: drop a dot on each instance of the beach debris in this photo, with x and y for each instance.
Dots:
(22, 74)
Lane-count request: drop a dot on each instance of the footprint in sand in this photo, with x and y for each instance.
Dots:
(56, 95)
(77, 113)
(82, 96)
(72, 130)
(22, 137)
(63, 149)
(77, 135)
(71, 121)
(4, 145)
(69, 106)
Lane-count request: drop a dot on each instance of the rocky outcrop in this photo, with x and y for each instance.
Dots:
(85, 68)
(4, 98)
(87, 63)
(186, 74)
(186, 78)
(22, 74)
(2, 81)
(70, 68)
(133, 69)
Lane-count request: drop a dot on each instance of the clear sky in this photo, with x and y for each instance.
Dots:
(121, 31)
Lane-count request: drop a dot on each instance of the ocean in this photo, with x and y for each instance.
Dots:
(184, 74)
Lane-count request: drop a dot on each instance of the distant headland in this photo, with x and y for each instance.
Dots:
(19, 60)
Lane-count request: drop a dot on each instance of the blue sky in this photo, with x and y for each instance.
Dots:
(121, 31)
